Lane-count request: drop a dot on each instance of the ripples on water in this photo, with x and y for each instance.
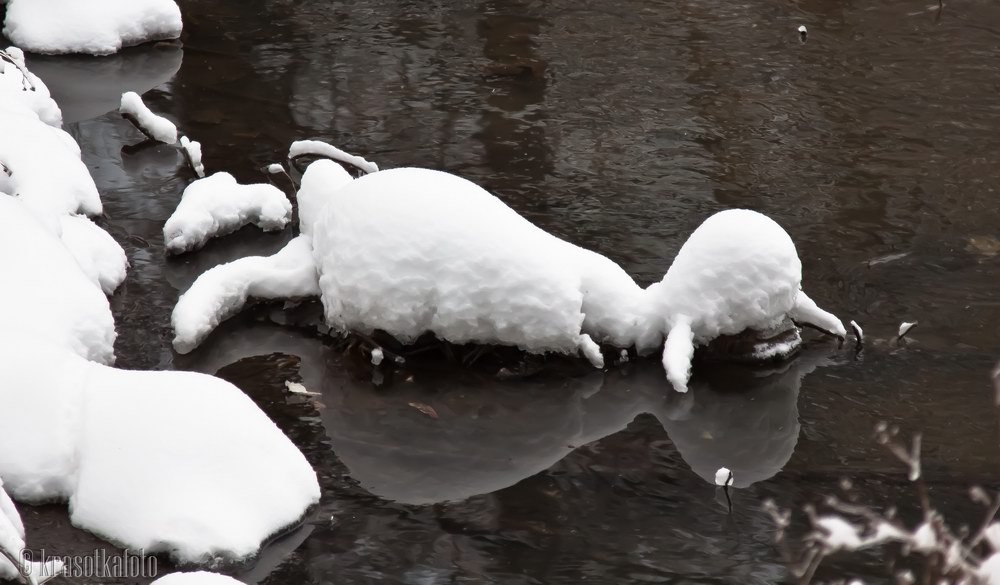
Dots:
(619, 126)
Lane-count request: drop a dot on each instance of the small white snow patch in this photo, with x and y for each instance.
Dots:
(318, 148)
(858, 331)
(218, 205)
(924, 540)
(275, 169)
(723, 477)
(905, 327)
(802, 29)
(377, 356)
(838, 534)
(297, 388)
(156, 126)
(193, 151)
(196, 578)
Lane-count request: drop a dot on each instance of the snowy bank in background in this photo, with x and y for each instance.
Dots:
(137, 464)
(410, 250)
(156, 126)
(95, 27)
(218, 205)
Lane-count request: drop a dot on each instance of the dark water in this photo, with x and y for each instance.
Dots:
(618, 126)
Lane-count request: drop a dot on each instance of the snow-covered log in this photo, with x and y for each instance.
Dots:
(154, 125)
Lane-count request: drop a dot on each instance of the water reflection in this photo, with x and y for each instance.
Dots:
(486, 434)
(87, 87)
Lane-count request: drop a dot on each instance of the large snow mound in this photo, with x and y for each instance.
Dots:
(96, 27)
(218, 205)
(141, 466)
(409, 251)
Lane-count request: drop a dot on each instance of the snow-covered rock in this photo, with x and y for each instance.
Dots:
(152, 124)
(138, 464)
(739, 270)
(410, 250)
(218, 205)
(96, 27)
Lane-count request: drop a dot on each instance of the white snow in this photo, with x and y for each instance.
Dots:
(802, 29)
(297, 388)
(152, 124)
(377, 356)
(12, 543)
(219, 205)
(192, 149)
(196, 578)
(100, 257)
(858, 331)
(21, 88)
(924, 540)
(905, 327)
(275, 169)
(318, 148)
(989, 570)
(95, 27)
(225, 289)
(45, 291)
(838, 534)
(413, 250)
(723, 477)
(171, 462)
(46, 172)
(992, 536)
